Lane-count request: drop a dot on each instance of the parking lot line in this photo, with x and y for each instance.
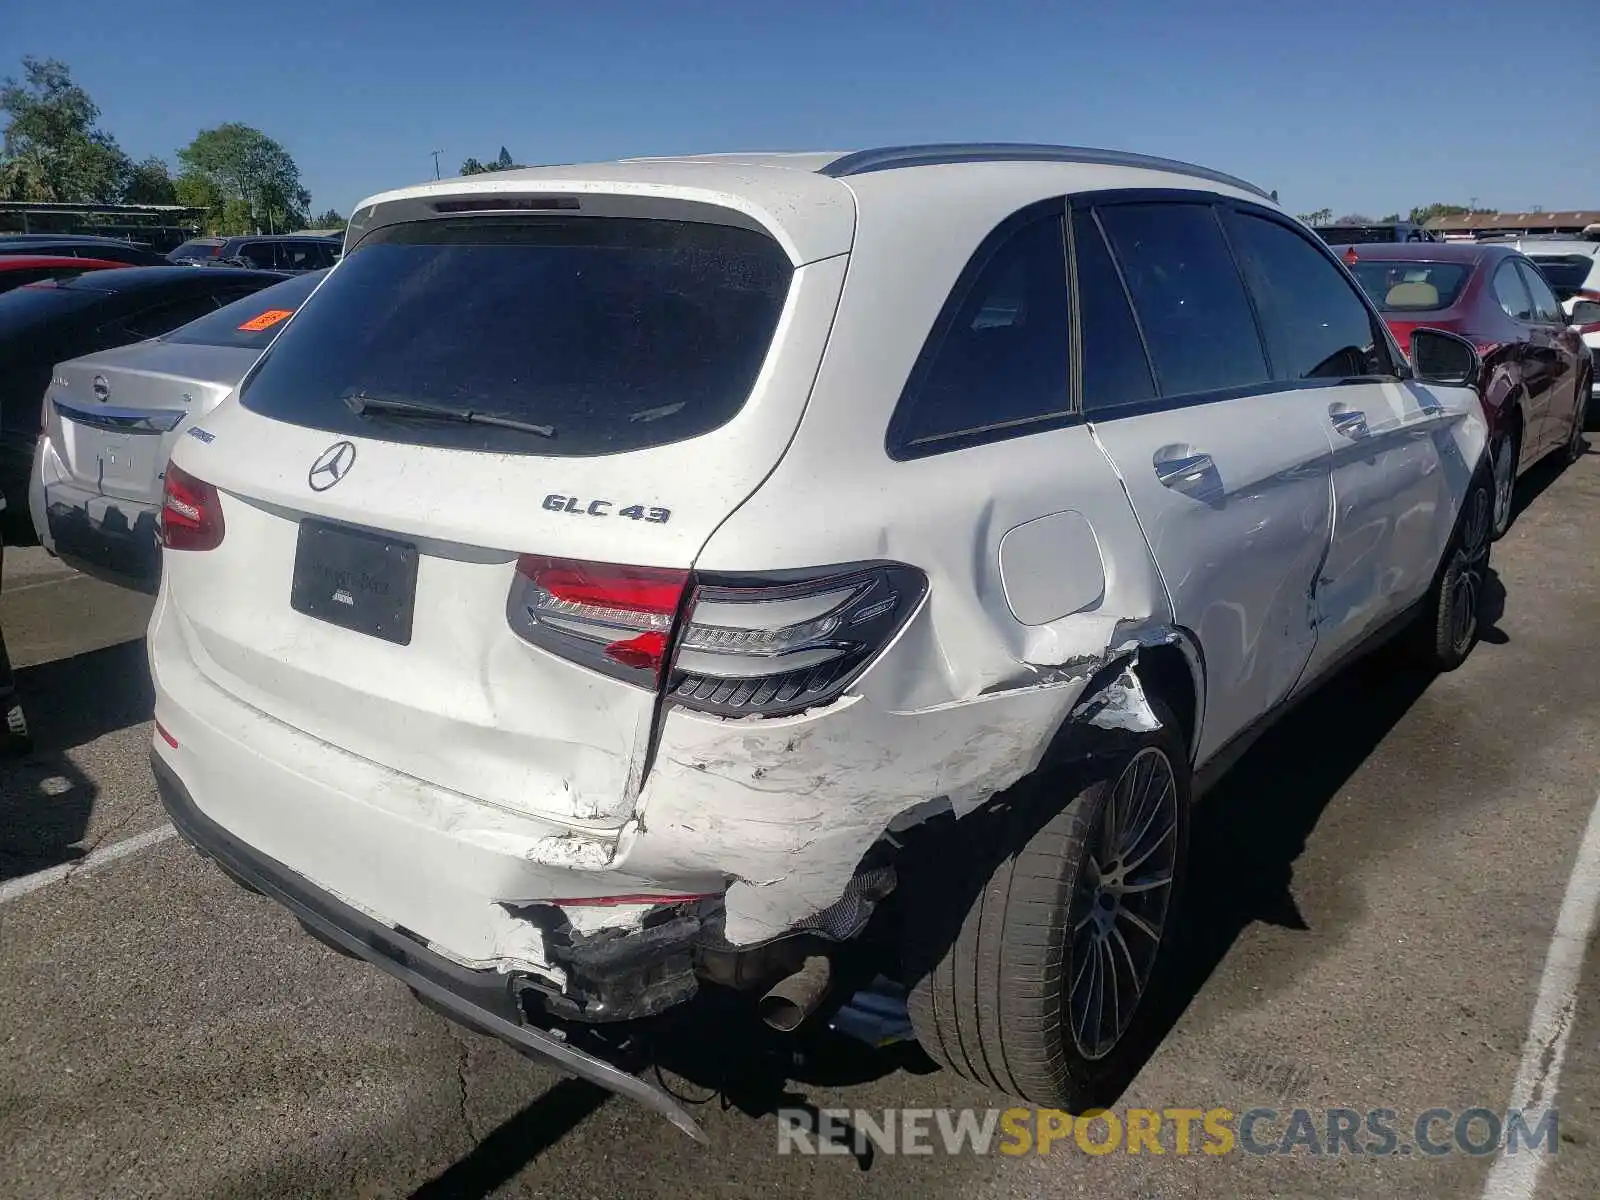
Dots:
(1515, 1176)
(12, 889)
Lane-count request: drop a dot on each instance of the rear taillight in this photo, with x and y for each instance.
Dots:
(749, 646)
(191, 512)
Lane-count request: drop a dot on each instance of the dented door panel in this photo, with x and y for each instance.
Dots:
(1234, 496)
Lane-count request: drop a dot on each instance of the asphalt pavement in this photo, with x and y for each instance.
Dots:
(1375, 893)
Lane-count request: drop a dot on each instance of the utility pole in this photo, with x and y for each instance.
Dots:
(436, 154)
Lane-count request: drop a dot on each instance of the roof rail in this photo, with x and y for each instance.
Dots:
(890, 158)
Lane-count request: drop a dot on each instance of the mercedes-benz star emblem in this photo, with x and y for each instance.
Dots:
(100, 387)
(332, 465)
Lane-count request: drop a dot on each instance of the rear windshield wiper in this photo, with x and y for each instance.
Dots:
(363, 403)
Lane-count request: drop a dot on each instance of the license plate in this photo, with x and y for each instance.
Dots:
(124, 460)
(364, 582)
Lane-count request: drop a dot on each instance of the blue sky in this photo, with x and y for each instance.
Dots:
(1354, 105)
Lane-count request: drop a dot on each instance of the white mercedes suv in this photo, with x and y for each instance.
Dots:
(624, 580)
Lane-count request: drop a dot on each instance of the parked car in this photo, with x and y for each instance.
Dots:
(266, 252)
(1351, 235)
(1537, 374)
(18, 269)
(1572, 268)
(45, 323)
(110, 421)
(623, 580)
(71, 245)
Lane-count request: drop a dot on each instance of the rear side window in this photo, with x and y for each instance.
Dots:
(999, 357)
(261, 255)
(1315, 324)
(1545, 305)
(614, 334)
(1115, 369)
(1188, 296)
(250, 323)
(1511, 292)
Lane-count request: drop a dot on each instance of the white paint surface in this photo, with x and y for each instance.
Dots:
(24, 885)
(1516, 1176)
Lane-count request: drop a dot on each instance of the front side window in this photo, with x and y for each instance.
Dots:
(1512, 293)
(1188, 296)
(1315, 325)
(609, 334)
(998, 359)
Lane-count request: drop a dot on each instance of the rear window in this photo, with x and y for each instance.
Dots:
(615, 334)
(1356, 235)
(1566, 273)
(252, 322)
(196, 250)
(1397, 286)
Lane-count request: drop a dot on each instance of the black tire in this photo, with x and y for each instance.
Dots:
(1509, 442)
(1448, 626)
(991, 986)
(1580, 420)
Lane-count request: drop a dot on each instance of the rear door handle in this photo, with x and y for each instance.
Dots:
(1349, 422)
(1185, 471)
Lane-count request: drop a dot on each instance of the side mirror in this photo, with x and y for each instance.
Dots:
(1585, 312)
(1440, 357)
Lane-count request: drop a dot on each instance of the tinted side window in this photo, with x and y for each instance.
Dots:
(1115, 368)
(1545, 305)
(1002, 359)
(1512, 293)
(1315, 324)
(1188, 295)
(262, 255)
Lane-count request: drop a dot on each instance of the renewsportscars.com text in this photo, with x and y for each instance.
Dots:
(1378, 1132)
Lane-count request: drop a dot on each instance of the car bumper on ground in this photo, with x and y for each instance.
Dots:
(484, 1000)
(105, 536)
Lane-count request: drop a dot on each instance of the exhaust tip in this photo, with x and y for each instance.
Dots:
(793, 999)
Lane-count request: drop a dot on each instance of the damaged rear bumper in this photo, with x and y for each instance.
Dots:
(483, 1000)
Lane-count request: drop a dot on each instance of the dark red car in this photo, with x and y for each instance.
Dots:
(18, 269)
(1535, 382)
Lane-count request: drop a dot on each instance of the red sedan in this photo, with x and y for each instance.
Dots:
(18, 269)
(1535, 381)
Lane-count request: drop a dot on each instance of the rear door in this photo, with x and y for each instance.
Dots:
(1390, 491)
(1228, 471)
(632, 379)
(1556, 345)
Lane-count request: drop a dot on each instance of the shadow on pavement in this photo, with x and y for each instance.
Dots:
(45, 801)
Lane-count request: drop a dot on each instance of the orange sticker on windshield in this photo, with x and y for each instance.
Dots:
(267, 319)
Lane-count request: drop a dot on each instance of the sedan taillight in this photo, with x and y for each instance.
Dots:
(746, 646)
(191, 512)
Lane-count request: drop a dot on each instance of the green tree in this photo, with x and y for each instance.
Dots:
(150, 182)
(329, 220)
(1321, 217)
(1391, 219)
(1424, 213)
(249, 169)
(1355, 219)
(53, 150)
(503, 163)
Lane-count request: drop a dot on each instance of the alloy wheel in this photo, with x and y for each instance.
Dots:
(1505, 481)
(1471, 567)
(1119, 909)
